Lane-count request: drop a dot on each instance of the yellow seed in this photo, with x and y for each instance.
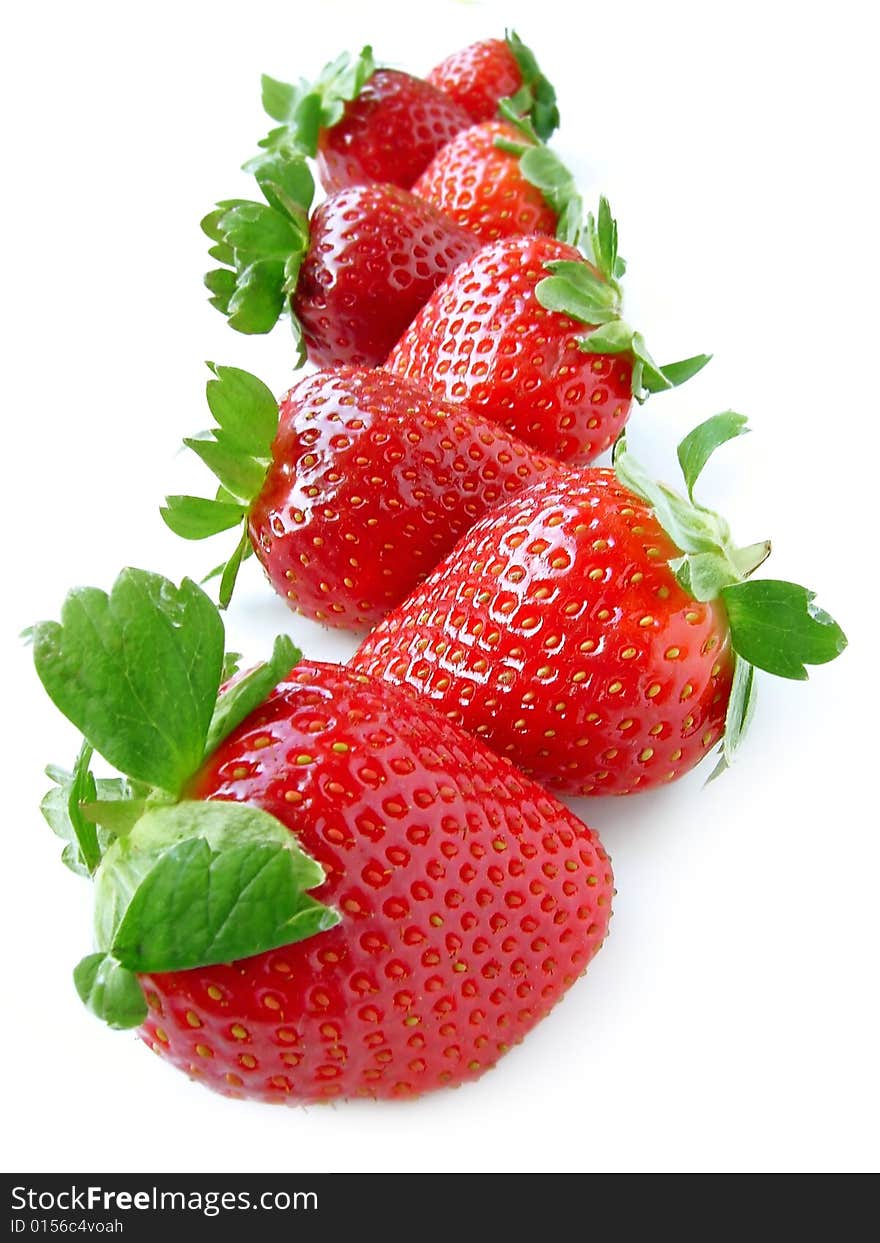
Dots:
(193, 1019)
(673, 653)
(653, 689)
(615, 687)
(645, 755)
(628, 653)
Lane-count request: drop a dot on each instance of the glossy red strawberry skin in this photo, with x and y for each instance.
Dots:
(372, 482)
(470, 901)
(484, 339)
(390, 133)
(478, 76)
(557, 633)
(482, 188)
(376, 254)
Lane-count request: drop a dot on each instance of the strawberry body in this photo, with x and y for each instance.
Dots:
(372, 482)
(482, 186)
(389, 133)
(479, 76)
(557, 632)
(484, 339)
(470, 901)
(376, 253)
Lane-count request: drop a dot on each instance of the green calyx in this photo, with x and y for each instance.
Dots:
(774, 625)
(307, 108)
(261, 246)
(591, 294)
(542, 167)
(179, 883)
(536, 98)
(239, 452)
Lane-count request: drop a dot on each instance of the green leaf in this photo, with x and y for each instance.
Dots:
(601, 231)
(305, 109)
(137, 673)
(259, 297)
(575, 290)
(699, 445)
(244, 408)
(740, 710)
(221, 283)
(287, 184)
(544, 169)
(259, 231)
(775, 626)
(205, 882)
(278, 97)
(615, 337)
(240, 699)
(538, 97)
(679, 373)
(116, 816)
(230, 570)
(231, 663)
(61, 811)
(240, 474)
(194, 517)
(110, 991)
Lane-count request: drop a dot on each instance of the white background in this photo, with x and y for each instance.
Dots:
(730, 1023)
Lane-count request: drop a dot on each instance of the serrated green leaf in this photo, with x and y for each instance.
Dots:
(240, 699)
(615, 337)
(286, 182)
(110, 991)
(241, 475)
(539, 97)
(205, 882)
(259, 297)
(543, 168)
(279, 98)
(194, 517)
(775, 626)
(231, 662)
(575, 290)
(699, 445)
(244, 408)
(62, 812)
(259, 231)
(221, 283)
(137, 673)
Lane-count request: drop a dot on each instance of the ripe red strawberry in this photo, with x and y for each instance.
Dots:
(477, 180)
(597, 628)
(480, 76)
(505, 335)
(455, 901)
(354, 491)
(363, 124)
(352, 277)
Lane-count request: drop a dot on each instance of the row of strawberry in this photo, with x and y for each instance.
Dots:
(597, 629)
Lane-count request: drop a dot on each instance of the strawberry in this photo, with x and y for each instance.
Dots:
(601, 629)
(364, 124)
(480, 76)
(504, 334)
(351, 492)
(352, 277)
(481, 180)
(454, 900)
